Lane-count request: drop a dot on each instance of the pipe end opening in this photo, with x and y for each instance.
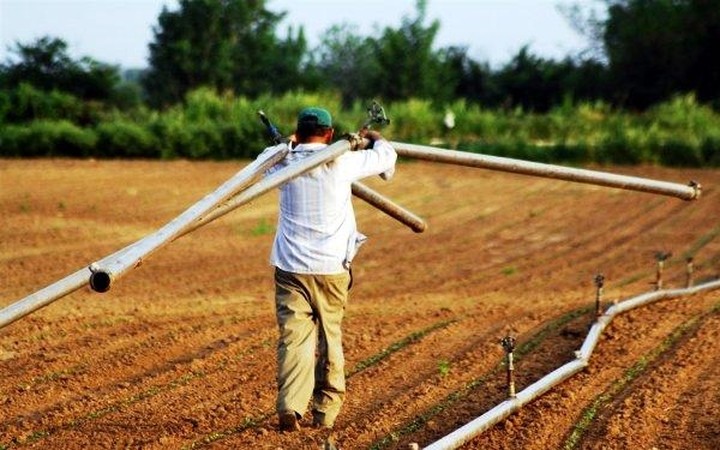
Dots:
(100, 281)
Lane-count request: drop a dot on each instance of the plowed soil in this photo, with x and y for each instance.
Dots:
(180, 353)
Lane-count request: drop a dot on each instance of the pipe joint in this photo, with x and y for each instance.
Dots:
(697, 189)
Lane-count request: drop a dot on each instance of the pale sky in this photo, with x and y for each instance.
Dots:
(119, 31)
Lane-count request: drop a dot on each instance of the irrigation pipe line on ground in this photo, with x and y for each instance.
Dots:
(685, 192)
(503, 410)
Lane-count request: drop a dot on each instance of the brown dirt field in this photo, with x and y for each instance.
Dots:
(180, 353)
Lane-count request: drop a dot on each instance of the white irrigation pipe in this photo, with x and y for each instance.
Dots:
(500, 412)
(359, 190)
(274, 180)
(44, 297)
(114, 265)
(105, 271)
(82, 277)
(685, 192)
(392, 209)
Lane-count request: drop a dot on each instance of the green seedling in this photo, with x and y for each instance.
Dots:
(263, 228)
(444, 367)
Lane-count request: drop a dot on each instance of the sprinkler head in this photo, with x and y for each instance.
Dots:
(599, 280)
(662, 256)
(376, 116)
(508, 343)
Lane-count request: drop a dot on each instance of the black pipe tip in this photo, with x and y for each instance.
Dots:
(418, 227)
(100, 282)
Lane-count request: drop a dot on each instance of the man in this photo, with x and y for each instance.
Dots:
(314, 245)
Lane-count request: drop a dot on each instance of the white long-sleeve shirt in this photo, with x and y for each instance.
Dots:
(316, 231)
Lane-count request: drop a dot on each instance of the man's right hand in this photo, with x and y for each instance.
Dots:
(370, 134)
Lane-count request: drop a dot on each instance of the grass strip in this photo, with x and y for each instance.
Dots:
(399, 345)
(117, 406)
(359, 367)
(633, 278)
(121, 404)
(522, 350)
(148, 393)
(601, 401)
(249, 422)
(689, 253)
(702, 242)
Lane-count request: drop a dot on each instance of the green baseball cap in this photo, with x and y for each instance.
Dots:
(316, 115)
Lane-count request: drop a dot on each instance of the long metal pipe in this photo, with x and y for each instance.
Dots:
(392, 209)
(100, 278)
(212, 207)
(272, 181)
(503, 410)
(44, 297)
(82, 277)
(48, 294)
(685, 192)
(494, 416)
(105, 271)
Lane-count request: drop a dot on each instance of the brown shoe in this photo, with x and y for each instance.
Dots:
(319, 421)
(289, 421)
(331, 443)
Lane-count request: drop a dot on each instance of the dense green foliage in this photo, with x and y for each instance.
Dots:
(226, 44)
(660, 47)
(46, 65)
(214, 63)
(679, 132)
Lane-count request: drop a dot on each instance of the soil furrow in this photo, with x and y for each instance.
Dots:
(181, 350)
(658, 402)
(619, 348)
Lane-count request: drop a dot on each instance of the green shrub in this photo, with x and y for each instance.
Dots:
(614, 149)
(64, 138)
(46, 138)
(204, 104)
(126, 139)
(26, 103)
(205, 141)
(683, 114)
(240, 142)
(209, 125)
(5, 104)
(416, 121)
(711, 150)
(570, 153)
(13, 139)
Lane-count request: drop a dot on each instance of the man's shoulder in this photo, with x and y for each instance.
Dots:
(309, 147)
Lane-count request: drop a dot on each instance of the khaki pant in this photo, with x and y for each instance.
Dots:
(310, 358)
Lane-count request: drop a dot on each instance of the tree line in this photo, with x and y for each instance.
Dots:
(649, 50)
(647, 92)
